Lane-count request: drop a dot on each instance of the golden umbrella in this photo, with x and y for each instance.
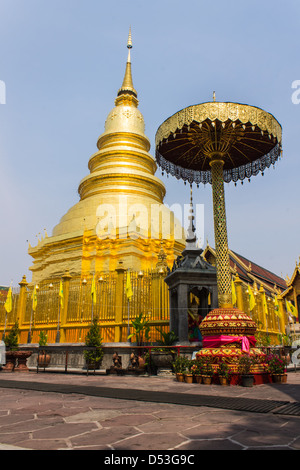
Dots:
(215, 142)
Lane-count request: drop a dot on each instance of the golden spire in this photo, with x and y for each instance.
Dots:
(127, 86)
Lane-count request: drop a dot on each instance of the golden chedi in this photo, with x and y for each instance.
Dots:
(120, 215)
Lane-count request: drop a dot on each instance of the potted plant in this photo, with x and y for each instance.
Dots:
(141, 329)
(197, 369)
(93, 340)
(263, 340)
(15, 359)
(11, 342)
(286, 342)
(188, 376)
(179, 366)
(163, 356)
(223, 373)
(245, 364)
(208, 373)
(43, 357)
(276, 367)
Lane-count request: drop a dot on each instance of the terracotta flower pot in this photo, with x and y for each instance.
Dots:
(198, 379)
(207, 379)
(44, 359)
(223, 380)
(247, 380)
(277, 378)
(188, 378)
(284, 378)
(179, 377)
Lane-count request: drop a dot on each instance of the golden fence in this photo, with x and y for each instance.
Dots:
(69, 323)
(269, 325)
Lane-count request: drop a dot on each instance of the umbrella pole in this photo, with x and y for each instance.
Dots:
(220, 229)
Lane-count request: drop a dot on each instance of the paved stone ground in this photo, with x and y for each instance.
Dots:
(47, 420)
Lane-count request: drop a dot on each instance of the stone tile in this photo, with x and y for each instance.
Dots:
(251, 438)
(217, 431)
(92, 416)
(31, 425)
(150, 441)
(44, 444)
(270, 448)
(214, 444)
(296, 444)
(63, 412)
(105, 423)
(12, 419)
(105, 403)
(211, 416)
(177, 411)
(145, 407)
(90, 447)
(292, 426)
(170, 425)
(104, 436)
(128, 420)
(64, 431)
(14, 438)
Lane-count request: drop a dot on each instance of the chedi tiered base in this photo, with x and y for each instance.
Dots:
(228, 334)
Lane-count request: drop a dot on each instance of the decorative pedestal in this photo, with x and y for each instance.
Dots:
(22, 357)
(228, 334)
(10, 362)
(16, 361)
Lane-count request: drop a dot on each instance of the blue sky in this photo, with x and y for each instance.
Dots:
(63, 63)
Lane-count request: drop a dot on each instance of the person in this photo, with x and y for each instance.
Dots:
(194, 320)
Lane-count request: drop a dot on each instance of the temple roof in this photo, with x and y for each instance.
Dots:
(292, 283)
(250, 272)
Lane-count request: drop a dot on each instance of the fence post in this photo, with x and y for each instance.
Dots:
(22, 301)
(282, 319)
(239, 293)
(119, 298)
(66, 288)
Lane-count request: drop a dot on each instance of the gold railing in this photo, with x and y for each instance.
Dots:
(72, 320)
(114, 312)
(269, 325)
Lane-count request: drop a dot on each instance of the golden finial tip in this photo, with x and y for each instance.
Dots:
(214, 96)
(129, 42)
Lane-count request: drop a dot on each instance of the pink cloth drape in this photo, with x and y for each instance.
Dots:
(216, 341)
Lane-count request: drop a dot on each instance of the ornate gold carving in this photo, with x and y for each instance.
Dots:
(223, 112)
(222, 255)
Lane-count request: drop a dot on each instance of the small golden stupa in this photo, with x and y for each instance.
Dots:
(120, 214)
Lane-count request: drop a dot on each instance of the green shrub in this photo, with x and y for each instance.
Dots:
(93, 339)
(12, 339)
